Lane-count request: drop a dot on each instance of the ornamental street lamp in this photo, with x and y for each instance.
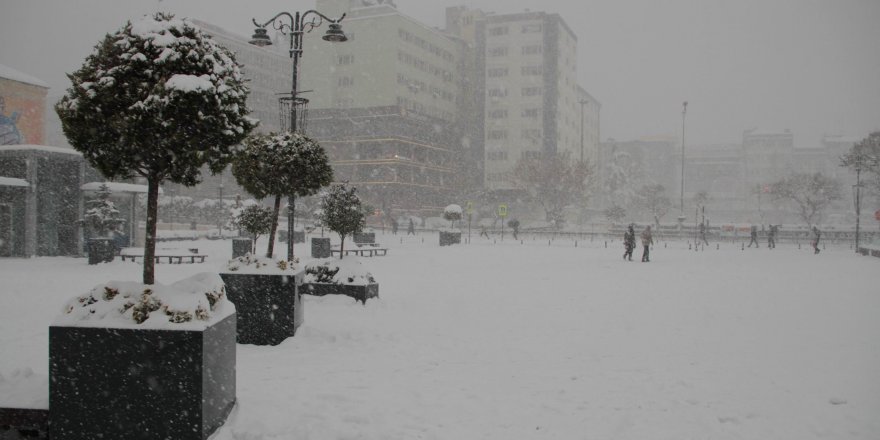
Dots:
(295, 26)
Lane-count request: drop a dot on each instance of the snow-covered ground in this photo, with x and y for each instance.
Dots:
(530, 341)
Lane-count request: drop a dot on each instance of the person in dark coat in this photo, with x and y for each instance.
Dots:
(647, 241)
(703, 233)
(816, 235)
(629, 242)
(771, 236)
(754, 235)
(411, 229)
(394, 226)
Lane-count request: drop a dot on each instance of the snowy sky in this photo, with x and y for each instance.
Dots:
(807, 65)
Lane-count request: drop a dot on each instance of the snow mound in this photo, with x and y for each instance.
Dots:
(252, 264)
(193, 303)
(333, 271)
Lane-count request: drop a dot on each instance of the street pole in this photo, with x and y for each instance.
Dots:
(582, 102)
(858, 203)
(683, 113)
(295, 29)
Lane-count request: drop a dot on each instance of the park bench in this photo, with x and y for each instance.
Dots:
(173, 256)
(362, 252)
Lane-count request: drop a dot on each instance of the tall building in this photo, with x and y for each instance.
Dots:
(531, 93)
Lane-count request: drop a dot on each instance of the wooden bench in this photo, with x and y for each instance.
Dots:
(173, 256)
(362, 252)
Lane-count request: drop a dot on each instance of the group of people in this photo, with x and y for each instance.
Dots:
(629, 242)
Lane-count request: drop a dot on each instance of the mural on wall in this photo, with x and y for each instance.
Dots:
(9, 133)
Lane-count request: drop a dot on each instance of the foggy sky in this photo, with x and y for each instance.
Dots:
(811, 66)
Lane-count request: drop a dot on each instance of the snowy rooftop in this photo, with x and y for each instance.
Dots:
(10, 73)
(12, 181)
(46, 148)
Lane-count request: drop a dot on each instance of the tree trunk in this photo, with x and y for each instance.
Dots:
(150, 240)
(341, 246)
(274, 227)
(291, 202)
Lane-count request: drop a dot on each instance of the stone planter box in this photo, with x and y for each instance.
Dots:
(359, 292)
(241, 247)
(449, 238)
(24, 423)
(364, 237)
(140, 383)
(320, 247)
(269, 306)
(101, 250)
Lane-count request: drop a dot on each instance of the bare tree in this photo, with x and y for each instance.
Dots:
(652, 200)
(555, 182)
(864, 158)
(810, 193)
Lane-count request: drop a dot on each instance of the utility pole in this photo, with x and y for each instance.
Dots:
(684, 108)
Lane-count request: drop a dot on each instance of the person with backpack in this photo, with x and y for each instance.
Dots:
(629, 242)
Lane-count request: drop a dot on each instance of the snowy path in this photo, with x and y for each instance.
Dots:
(530, 341)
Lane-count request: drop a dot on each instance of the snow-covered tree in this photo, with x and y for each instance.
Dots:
(101, 215)
(452, 213)
(342, 212)
(256, 220)
(864, 157)
(614, 213)
(157, 99)
(652, 200)
(286, 164)
(621, 179)
(811, 194)
(555, 182)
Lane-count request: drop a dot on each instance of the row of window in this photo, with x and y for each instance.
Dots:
(529, 28)
(424, 66)
(526, 133)
(501, 113)
(420, 42)
(427, 110)
(344, 60)
(415, 85)
(502, 155)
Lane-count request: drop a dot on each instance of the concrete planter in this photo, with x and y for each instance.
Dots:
(101, 250)
(241, 247)
(269, 306)
(449, 238)
(359, 292)
(320, 247)
(140, 383)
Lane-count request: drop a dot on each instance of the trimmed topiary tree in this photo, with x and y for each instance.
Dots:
(342, 212)
(256, 220)
(286, 164)
(452, 213)
(101, 216)
(157, 99)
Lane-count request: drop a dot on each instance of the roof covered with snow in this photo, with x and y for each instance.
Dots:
(117, 187)
(45, 148)
(10, 73)
(12, 181)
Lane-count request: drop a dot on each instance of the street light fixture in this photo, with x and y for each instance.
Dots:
(297, 25)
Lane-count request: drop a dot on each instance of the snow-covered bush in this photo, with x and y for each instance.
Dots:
(253, 264)
(158, 99)
(101, 216)
(332, 271)
(452, 213)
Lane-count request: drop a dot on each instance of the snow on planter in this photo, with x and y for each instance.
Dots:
(342, 277)
(266, 294)
(127, 359)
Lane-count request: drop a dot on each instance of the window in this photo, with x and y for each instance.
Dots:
(345, 59)
(531, 28)
(531, 155)
(531, 91)
(531, 71)
(497, 134)
(498, 52)
(496, 31)
(532, 50)
(531, 134)
(496, 155)
(498, 114)
(345, 81)
(530, 113)
(497, 93)
(497, 72)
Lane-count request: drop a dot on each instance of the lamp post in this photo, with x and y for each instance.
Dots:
(684, 108)
(294, 28)
(858, 202)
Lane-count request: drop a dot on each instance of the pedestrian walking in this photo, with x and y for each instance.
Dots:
(647, 241)
(771, 236)
(514, 224)
(629, 242)
(483, 232)
(703, 233)
(394, 226)
(816, 235)
(411, 229)
(754, 235)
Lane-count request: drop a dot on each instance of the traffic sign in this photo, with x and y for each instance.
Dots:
(469, 208)
(502, 210)
(877, 215)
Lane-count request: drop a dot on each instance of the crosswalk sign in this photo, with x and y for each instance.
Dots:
(502, 210)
